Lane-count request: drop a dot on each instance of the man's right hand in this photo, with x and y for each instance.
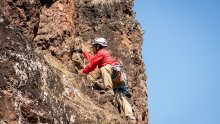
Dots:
(76, 50)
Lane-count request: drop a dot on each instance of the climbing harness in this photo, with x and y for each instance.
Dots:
(119, 71)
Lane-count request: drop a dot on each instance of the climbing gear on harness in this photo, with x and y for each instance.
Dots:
(115, 73)
(101, 41)
(124, 90)
(118, 70)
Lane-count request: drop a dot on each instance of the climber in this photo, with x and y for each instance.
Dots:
(112, 73)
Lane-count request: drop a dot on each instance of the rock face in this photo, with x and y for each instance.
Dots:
(39, 82)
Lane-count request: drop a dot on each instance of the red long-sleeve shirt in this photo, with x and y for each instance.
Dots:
(100, 59)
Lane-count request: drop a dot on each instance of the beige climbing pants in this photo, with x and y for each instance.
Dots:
(106, 73)
(124, 104)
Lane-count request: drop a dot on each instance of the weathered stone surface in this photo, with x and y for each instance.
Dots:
(116, 23)
(56, 27)
(39, 82)
(32, 91)
(22, 14)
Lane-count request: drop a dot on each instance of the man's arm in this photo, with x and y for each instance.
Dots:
(87, 56)
(93, 63)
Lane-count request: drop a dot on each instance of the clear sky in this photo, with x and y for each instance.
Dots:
(181, 52)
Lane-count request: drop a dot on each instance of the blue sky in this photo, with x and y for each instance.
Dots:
(181, 51)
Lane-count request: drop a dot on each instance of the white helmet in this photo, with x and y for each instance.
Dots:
(100, 41)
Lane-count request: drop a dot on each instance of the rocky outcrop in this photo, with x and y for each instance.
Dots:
(38, 74)
(37, 88)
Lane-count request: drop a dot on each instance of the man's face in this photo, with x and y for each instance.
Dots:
(94, 49)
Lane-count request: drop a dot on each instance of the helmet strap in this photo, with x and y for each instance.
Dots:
(98, 47)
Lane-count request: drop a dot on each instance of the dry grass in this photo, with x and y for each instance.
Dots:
(52, 61)
(105, 2)
(81, 102)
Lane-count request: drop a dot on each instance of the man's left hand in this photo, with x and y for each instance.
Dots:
(80, 72)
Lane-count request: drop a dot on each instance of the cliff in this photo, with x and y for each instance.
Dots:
(39, 80)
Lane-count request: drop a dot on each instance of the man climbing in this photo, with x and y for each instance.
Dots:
(112, 73)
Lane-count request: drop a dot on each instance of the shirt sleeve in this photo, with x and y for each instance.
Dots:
(87, 56)
(94, 61)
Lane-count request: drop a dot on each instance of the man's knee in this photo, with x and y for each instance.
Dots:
(106, 69)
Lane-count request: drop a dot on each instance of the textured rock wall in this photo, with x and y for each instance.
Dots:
(23, 14)
(56, 27)
(115, 21)
(38, 75)
(37, 88)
